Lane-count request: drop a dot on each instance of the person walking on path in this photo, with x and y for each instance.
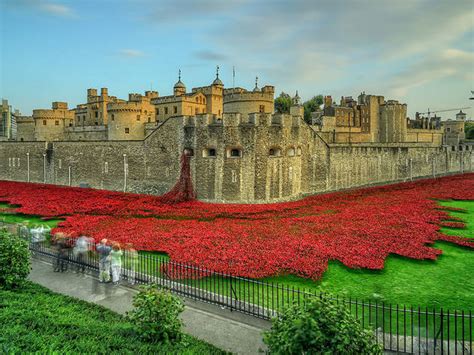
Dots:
(131, 257)
(81, 250)
(38, 236)
(104, 260)
(116, 256)
(62, 248)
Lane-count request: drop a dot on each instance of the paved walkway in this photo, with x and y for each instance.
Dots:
(230, 331)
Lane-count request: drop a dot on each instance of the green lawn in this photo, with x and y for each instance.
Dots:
(34, 319)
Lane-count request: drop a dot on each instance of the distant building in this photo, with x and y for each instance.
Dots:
(8, 125)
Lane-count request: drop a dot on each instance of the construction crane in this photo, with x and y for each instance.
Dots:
(447, 110)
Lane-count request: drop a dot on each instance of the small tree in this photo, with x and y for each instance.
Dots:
(283, 103)
(155, 315)
(311, 106)
(319, 326)
(14, 260)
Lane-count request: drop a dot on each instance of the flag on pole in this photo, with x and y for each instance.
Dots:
(233, 76)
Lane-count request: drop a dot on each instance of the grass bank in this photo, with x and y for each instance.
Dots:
(34, 319)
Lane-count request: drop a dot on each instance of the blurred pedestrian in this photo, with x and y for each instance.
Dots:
(38, 235)
(80, 251)
(62, 248)
(104, 260)
(116, 263)
(24, 231)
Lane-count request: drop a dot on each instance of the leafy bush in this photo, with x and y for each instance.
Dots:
(155, 315)
(321, 325)
(14, 260)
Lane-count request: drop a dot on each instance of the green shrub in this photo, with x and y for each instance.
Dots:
(319, 326)
(14, 260)
(155, 315)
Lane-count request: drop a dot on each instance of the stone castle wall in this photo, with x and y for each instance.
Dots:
(239, 158)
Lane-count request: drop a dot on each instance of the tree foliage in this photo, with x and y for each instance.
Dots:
(155, 315)
(319, 326)
(14, 260)
(283, 103)
(469, 130)
(311, 106)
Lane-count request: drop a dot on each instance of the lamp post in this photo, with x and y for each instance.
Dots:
(44, 167)
(125, 171)
(28, 167)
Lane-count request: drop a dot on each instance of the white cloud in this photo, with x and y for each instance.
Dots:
(131, 53)
(52, 8)
(56, 9)
(449, 63)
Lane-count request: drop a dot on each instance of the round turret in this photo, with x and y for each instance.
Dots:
(217, 81)
(179, 88)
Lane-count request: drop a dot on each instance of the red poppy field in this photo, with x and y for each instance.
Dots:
(360, 228)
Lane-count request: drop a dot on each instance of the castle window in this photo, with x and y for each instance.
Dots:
(157, 111)
(290, 152)
(44, 122)
(298, 151)
(234, 153)
(149, 119)
(274, 152)
(56, 123)
(448, 129)
(204, 101)
(210, 152)
(127, 130)
(197, 99)
(196, 110)
(261, 108)
(188, 152)
(175, 109)
(106, 167)
(166, 110)
(138, 117)
(113, 117)
(96, 113)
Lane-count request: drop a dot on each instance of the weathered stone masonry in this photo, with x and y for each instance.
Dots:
(236, 158)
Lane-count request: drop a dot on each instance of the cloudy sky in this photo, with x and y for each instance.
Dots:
(417, 51)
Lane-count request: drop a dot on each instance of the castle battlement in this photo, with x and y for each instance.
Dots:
(134, 106)
(248, 96)
(51, 113)
(237, 119)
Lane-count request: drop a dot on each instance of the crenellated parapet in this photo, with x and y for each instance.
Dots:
(245, 102)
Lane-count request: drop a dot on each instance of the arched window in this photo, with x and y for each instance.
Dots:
(298, 151)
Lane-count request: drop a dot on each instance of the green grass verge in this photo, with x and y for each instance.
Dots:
(34, 319)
